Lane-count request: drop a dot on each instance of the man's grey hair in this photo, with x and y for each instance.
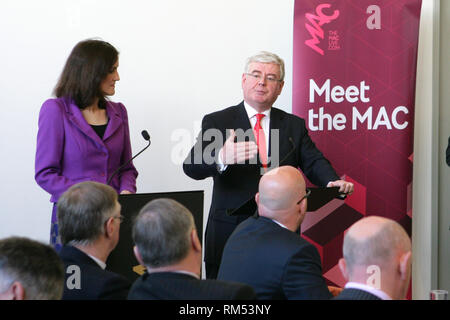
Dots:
(378, 249)
(162, 231)
(83, 210)
(266, 57)
(36, 266)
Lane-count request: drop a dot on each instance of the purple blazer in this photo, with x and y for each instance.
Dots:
(69, 151)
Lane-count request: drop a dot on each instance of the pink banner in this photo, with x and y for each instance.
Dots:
(354, 84)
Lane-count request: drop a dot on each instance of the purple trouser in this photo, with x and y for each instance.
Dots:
(55, 238)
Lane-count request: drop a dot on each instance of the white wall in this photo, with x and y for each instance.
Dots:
(178, 61)
(425, 171)
(444, 133)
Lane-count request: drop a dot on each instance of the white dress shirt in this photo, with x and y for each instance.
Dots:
(98, 261)
(279, 223)
(149, 271)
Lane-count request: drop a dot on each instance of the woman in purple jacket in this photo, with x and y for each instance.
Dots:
(82, 136)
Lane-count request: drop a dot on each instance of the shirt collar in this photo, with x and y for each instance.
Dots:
(251, 112)
(279, 223)
(376, 292)
(150, 271)
(188, 273)
(98, 261)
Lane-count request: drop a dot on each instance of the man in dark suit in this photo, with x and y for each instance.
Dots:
(89, 221)
(167, 245)
(377, 260)
(254, 126)
(265, 251)
(29, 270)
(447, 153)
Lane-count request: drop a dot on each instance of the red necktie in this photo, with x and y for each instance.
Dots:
(261, 140)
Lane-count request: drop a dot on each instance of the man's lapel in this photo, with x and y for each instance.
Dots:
(241, 120)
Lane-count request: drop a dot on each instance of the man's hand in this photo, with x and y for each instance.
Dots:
(237, 152)
(344, 186)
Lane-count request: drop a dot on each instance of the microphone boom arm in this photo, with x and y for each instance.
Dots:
(146, 137)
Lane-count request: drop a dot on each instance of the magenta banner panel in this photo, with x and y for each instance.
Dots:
(354, 84)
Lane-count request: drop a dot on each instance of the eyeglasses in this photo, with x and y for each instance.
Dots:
(308, 193)
(258, 77)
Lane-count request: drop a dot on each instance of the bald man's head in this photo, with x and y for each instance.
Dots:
(279, 191)
(374, 241)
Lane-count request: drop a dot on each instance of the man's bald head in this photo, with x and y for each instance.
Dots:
(279, 191)
(374, 241)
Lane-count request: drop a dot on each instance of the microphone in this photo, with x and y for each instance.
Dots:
(146, 136)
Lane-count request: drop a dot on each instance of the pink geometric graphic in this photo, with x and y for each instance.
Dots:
(357, 200)
(356, 95)
(334, 277)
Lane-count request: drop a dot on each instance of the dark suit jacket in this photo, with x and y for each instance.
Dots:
(178, 286)
(355, 294)
(447, 153)
(239, 183)
(276, 262)
(96, 283)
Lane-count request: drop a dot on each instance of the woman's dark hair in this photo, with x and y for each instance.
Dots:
(88, 64)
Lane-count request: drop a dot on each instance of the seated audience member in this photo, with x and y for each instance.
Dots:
(377, 260)
(89, 221)
(447, 153)
(265, 251)
(29, 270)
(168, 246)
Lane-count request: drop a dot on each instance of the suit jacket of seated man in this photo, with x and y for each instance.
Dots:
(239, 182)
(181, 286)
(95, 283)
(355, 294)
(447, 153)
(276, 262)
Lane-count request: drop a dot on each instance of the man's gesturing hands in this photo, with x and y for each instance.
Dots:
(237, 152)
